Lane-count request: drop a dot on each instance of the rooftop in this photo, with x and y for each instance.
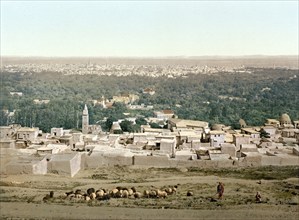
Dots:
(188, 123)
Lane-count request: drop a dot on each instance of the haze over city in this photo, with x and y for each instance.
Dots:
(148, 28)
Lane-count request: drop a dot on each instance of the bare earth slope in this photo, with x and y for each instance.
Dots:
(21, 196)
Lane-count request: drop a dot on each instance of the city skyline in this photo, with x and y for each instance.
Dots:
(148, 28)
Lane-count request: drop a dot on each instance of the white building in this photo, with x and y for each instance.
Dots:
(216, 138)
(168, 146)
(57, 132)
(27, 134)
(5, 132)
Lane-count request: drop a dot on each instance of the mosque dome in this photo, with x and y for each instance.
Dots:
(285, 119)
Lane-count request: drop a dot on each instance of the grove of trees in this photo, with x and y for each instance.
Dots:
(216, 98)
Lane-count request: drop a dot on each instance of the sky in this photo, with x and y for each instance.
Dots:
(149, 28)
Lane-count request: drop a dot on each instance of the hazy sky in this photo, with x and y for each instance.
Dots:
(149, 28)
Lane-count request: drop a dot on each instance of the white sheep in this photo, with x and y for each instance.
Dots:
(100, 193)
(93, 196)
(161, 194)
(113, 192)
(130, 191)
(125, 194)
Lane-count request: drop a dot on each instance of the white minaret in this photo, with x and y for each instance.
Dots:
(85, 120)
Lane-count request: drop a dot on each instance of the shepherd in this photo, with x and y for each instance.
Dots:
(258, 198)
(220, 190)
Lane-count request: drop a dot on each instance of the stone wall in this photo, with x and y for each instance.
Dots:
(65, 164)
(27, 167)
(98, 159)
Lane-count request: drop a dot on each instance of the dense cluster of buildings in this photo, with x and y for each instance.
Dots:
(121, 70)
(184, 143)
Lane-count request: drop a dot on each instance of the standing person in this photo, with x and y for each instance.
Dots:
(258, 197)
(220, 190)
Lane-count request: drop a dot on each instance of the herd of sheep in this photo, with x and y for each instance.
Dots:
(118, 192)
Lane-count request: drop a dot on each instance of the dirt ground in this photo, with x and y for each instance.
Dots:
(21, 196)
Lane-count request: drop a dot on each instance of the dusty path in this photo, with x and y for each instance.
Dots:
(44, 211)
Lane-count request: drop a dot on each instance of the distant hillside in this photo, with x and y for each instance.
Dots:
(226, 61)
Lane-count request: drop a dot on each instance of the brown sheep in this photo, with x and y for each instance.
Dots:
(46, 198)
(51, 194)
(78, 191)
(146, 194)
(118, 194)
(137, 195)
(106, 196)
(70, 196)
(68, 193)
(174, 189)
(90, 190)
(153, 194)
(169, 191)
(119, 188)
(134, 189)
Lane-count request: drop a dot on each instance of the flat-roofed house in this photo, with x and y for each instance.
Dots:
(164, 114)
(239, 139)
(216, 138)
(296, 124)
(272, 122)
(149, 91)
(289, 132)
(252, 132)
(248, 148)
(27, 134)
(227, 148)
(181, 124)
(168, 146)
(57, 132)
(5, 132)
(271, 130)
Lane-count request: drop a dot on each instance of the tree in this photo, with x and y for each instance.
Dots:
(264, 134)
(141, 121)
(154, 125)
(3, 118)
(109, 123)
(127, 126)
